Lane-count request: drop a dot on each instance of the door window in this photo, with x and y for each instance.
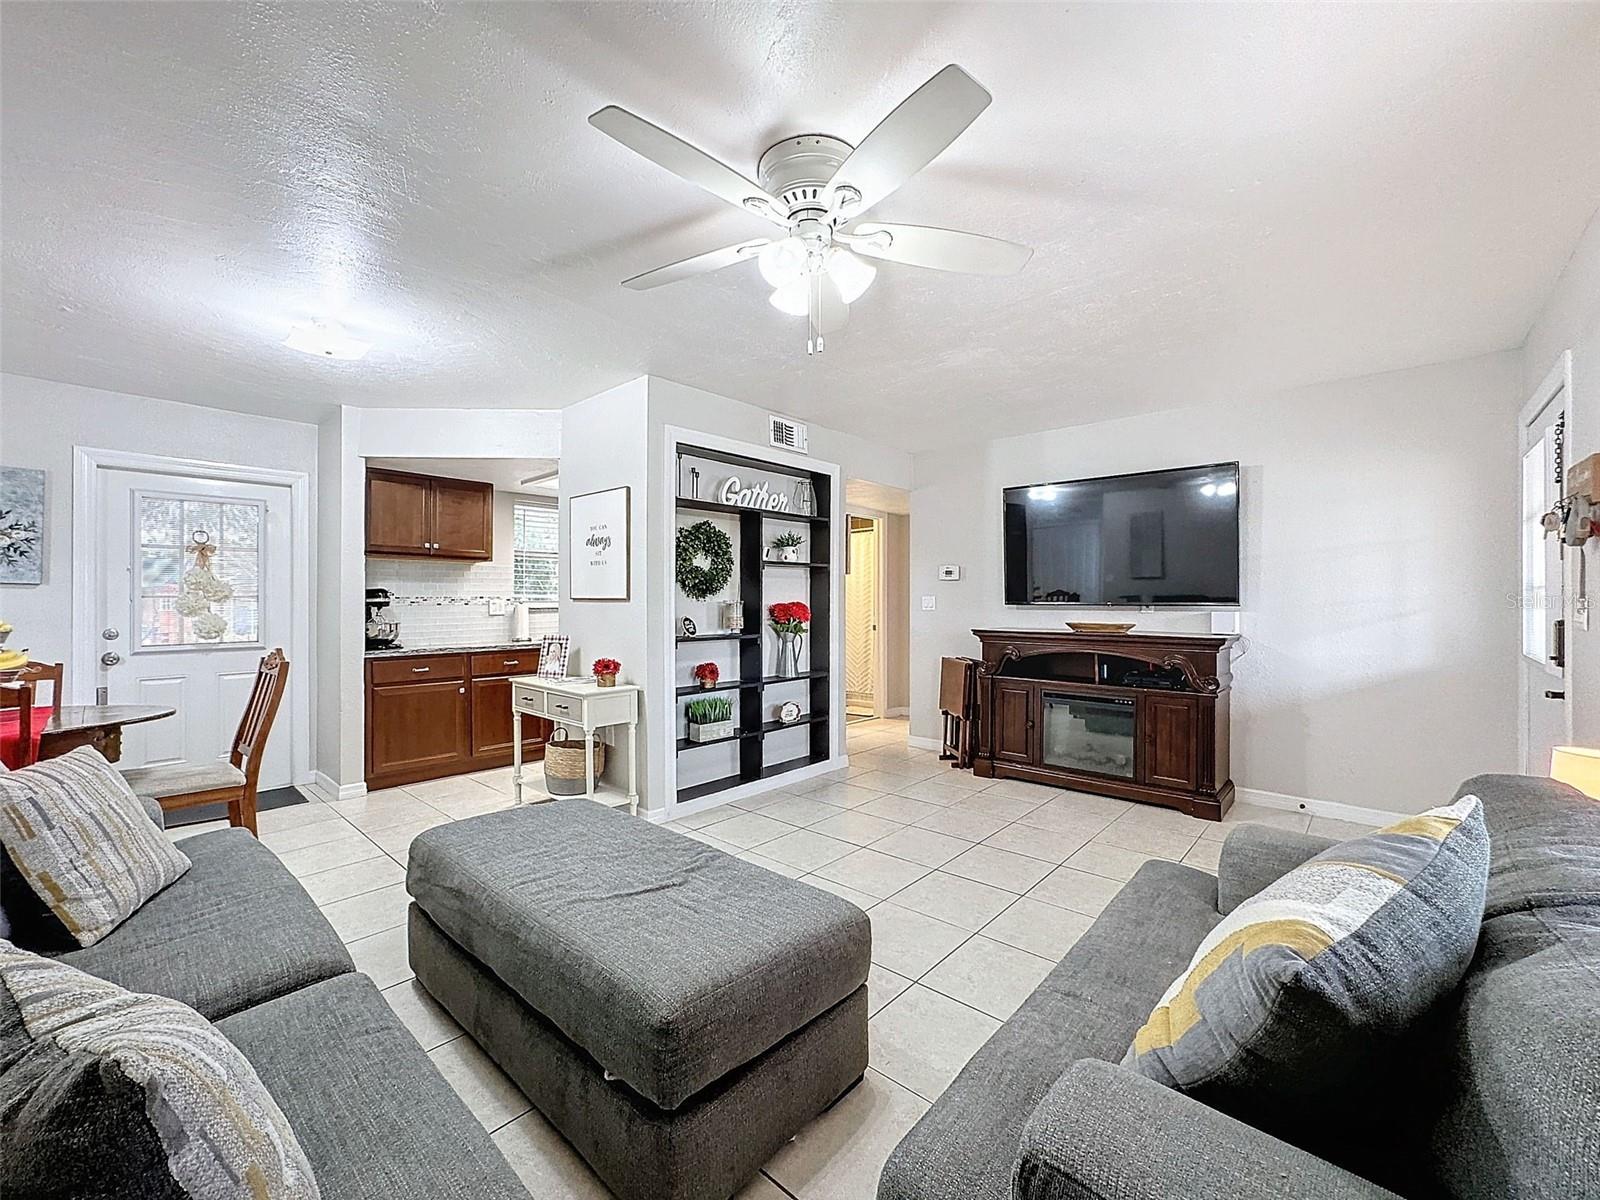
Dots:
(199, 571)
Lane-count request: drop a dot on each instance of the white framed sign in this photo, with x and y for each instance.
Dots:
(597, 533)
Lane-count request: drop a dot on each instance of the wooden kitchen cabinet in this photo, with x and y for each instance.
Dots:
(432, 715)
(416, 730)
(491, 722)
(428, 516)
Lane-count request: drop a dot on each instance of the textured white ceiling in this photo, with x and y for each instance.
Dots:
(1224, 199)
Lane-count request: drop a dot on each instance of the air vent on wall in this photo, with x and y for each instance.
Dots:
(786, 434)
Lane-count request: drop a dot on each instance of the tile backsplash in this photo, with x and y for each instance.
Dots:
(447, 603)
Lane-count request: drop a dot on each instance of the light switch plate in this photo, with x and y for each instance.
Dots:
(498, 607)
(950, 571)
(927, 604)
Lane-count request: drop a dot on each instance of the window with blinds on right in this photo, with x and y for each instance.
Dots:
(535, 554)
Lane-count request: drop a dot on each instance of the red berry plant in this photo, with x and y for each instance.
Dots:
(789, 616)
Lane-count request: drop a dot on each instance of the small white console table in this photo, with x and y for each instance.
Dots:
(578, 704)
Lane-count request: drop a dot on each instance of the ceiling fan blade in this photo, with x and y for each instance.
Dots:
(937, 249)
(686, 161)
(700, 264)
(912, 136)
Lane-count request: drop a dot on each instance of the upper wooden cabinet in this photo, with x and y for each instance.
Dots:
(429, 516)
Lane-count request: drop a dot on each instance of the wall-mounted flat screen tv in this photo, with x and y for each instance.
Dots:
(1155, 538)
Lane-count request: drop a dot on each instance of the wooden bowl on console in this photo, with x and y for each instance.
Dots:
(1099, 626)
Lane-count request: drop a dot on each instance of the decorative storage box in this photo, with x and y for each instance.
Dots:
(710, 732)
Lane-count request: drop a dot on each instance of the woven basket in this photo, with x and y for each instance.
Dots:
(563, 764)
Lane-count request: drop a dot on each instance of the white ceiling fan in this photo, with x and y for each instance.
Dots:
(817, 188)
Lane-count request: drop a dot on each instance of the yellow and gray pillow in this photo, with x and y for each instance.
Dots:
(1307, 989)
(84, 843)
(117, 1093)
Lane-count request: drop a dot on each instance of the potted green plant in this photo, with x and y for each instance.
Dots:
(785, 547)
(710, 718)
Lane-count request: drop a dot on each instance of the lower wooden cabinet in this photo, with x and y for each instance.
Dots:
(491, 721)
(1171, 728)
(429, 716)
(418, 730)
(1015, 712)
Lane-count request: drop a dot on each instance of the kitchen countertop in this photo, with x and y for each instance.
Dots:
(487, 648)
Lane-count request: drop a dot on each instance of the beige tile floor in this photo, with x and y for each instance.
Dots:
(975, 890)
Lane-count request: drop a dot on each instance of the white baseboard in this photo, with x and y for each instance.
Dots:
(1318, 808)
(922, 743)
(329, 790)
(756, 787)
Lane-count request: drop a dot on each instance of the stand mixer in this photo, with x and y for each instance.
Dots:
(383, 632)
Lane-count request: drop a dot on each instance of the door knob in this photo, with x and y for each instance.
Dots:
(110, 635)
(110, 658)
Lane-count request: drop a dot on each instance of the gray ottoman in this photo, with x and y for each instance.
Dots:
(677, 1013)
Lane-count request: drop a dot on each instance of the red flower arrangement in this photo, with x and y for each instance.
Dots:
(606, 666)
(789, 617)
(707, 673)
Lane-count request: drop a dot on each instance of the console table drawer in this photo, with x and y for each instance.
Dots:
(416, 670)
(527, 699)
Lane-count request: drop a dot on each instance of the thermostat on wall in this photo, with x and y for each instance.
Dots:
(949, 571)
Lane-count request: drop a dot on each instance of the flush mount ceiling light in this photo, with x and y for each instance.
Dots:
(817, 187)
(326, 339)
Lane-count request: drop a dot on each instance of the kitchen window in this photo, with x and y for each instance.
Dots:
(535, 553)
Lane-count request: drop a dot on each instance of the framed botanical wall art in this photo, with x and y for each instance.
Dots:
(597, 532)
(21, 525)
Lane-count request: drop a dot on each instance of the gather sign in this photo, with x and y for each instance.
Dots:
(758, 496)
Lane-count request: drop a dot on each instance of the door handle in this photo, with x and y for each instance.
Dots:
(110, 658)
(1555, 695)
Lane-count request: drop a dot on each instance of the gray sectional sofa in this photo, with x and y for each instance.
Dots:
(1498, 1096)
(238, 939)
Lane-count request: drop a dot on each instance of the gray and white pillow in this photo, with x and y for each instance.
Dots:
(84, 843)
(117, 1093)
(1305, 994)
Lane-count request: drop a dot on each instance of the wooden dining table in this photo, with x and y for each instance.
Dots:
(97, 725)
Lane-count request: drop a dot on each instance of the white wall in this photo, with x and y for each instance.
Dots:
(605, 442)
(41, 422)
(1380, 562)
(1571, 321)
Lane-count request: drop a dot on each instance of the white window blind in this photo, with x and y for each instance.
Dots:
(535, 553)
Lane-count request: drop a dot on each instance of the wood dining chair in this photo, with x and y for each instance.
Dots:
(234, 782)
(17, 694)
(38, 672)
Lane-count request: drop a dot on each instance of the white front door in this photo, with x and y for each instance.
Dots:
(1544, 704)
(861, 619)
(162, 639)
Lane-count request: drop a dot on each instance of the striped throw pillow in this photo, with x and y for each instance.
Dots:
(120, 1093)
(1311, 984)
(84, 843)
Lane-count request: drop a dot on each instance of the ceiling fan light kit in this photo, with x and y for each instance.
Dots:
(816, 187)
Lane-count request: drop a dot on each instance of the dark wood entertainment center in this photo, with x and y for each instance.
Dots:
(1141, 716)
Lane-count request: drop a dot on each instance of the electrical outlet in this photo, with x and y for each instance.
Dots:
(498, 606)
(927, 604)
(950, 571)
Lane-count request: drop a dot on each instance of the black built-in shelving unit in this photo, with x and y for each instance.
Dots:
(751, 565)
